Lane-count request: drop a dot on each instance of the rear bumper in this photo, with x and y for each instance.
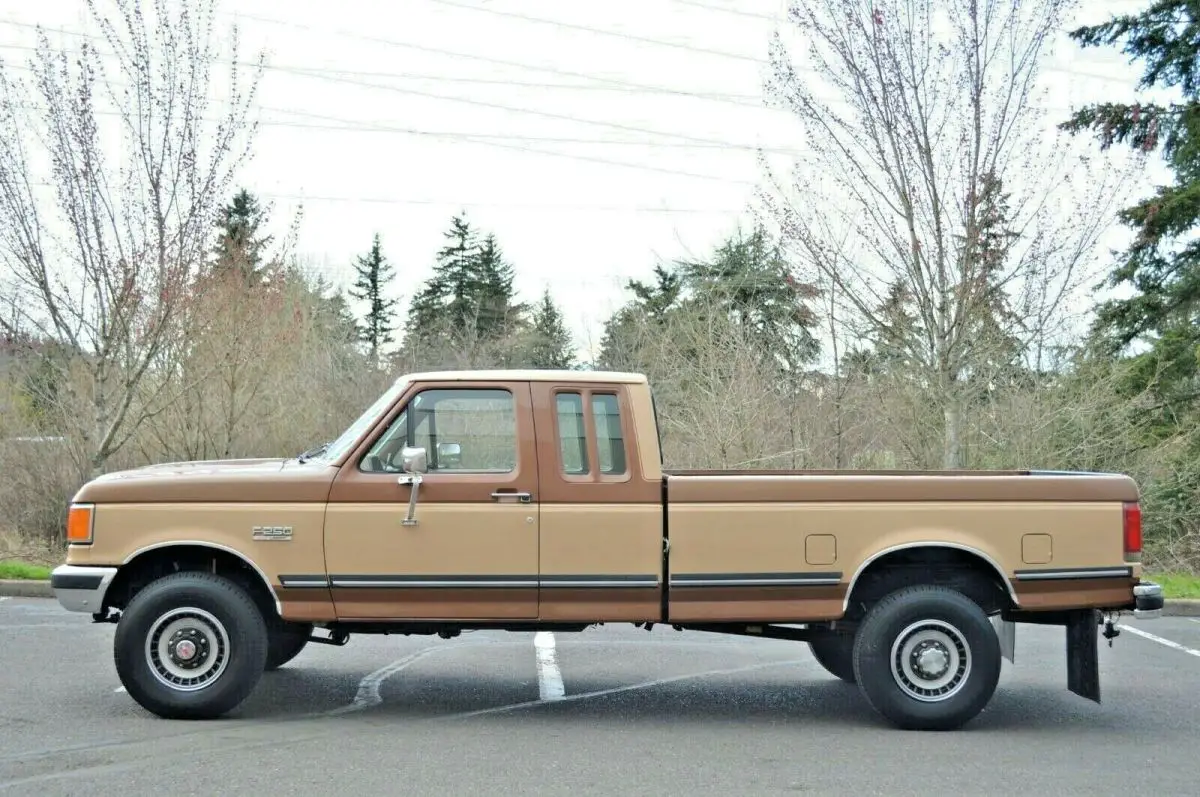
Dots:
(81, 589)
(1147, 600)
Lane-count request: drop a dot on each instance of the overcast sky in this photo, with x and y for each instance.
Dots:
(366, 112)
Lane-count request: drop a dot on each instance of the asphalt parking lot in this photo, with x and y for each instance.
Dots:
(612, 710)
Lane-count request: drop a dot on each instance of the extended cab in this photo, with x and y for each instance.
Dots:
(526, 500)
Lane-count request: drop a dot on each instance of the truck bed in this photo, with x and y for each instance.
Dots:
(753, 486)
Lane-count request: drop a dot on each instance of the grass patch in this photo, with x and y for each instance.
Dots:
(1179, 586)
(23, 571)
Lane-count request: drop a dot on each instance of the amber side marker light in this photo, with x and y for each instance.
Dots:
(79, 524)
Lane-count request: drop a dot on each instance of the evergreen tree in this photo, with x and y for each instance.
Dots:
(744, 282)
(374, 275)
(551, 345)
(657, 299)
(239, 245)
(1162, 266)
(469, 298)
(337, 318)
(748, 278)
(493, 290)
(626, 330)
(445, 301)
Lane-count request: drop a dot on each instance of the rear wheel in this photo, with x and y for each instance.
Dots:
(190, 645)
(927, 658)
(285, 641)
(836, 654)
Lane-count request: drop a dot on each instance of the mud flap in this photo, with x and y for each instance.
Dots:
(1006, 631)
(1083, 654)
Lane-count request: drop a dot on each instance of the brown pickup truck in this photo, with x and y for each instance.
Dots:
(537, 500)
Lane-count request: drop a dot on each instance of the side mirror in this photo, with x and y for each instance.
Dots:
(414, 460)
(449, 455)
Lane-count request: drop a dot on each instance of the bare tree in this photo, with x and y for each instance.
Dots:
(103, 262)
(974, 222)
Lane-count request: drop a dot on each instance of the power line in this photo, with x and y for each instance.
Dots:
(611, 81)
(457, 203)
(516, 109)
(584, 75)
(514, 147)
(387, 127)
(501, 205)
(519, 65)
(551, 153)
(736, 11)
(689, 141)
(692, 141)
(603, 32)
(613, 84)
(704, 95)
(372, 126)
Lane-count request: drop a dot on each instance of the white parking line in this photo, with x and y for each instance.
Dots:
(1165, 642)
(118, 690)
(550, 682)
(368, 687)
(618, 689)
(1194, 620)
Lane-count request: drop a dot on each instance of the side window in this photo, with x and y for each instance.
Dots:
(573, 439)
(610, 443)
(572, 434)
(467, 430)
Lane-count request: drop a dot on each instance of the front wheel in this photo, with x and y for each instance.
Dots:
(836, 654)
(927, 658)
(190, 645)
(285, 641)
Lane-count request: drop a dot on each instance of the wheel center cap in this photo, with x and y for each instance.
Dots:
(185, 649)
(932, 662)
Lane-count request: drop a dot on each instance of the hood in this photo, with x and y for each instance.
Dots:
(200, 467)
(217, 480)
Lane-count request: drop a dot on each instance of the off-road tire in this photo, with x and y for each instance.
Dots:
(952, 624)
(227, 633)
(285, 641)
(836, 654)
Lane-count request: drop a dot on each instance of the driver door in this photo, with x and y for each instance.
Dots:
(472, 552)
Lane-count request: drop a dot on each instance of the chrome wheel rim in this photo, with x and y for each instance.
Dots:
(931, 661)
(187, 649)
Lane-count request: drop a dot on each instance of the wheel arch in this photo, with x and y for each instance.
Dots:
(931, 551)
(191, 555)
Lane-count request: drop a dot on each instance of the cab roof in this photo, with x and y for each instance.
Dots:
(526, 375)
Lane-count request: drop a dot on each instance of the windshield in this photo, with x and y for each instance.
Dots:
(342, 444)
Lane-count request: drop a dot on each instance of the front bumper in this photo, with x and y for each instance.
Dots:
(1147, 600)
(81, 589)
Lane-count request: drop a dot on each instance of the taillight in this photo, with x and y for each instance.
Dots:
(79, 524)
(1133, 531)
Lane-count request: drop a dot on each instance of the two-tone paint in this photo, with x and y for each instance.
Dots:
(537, 544)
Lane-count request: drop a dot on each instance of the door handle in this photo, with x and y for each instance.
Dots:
(524, 498)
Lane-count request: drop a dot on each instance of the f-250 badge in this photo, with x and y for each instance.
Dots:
(272, 533)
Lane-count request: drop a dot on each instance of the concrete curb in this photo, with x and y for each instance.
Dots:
(1182, 608)
(20, 588)
(25, 588)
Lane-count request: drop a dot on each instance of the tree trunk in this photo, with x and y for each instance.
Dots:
(951, 434)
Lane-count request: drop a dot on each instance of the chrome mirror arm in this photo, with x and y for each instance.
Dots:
(412, 480)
